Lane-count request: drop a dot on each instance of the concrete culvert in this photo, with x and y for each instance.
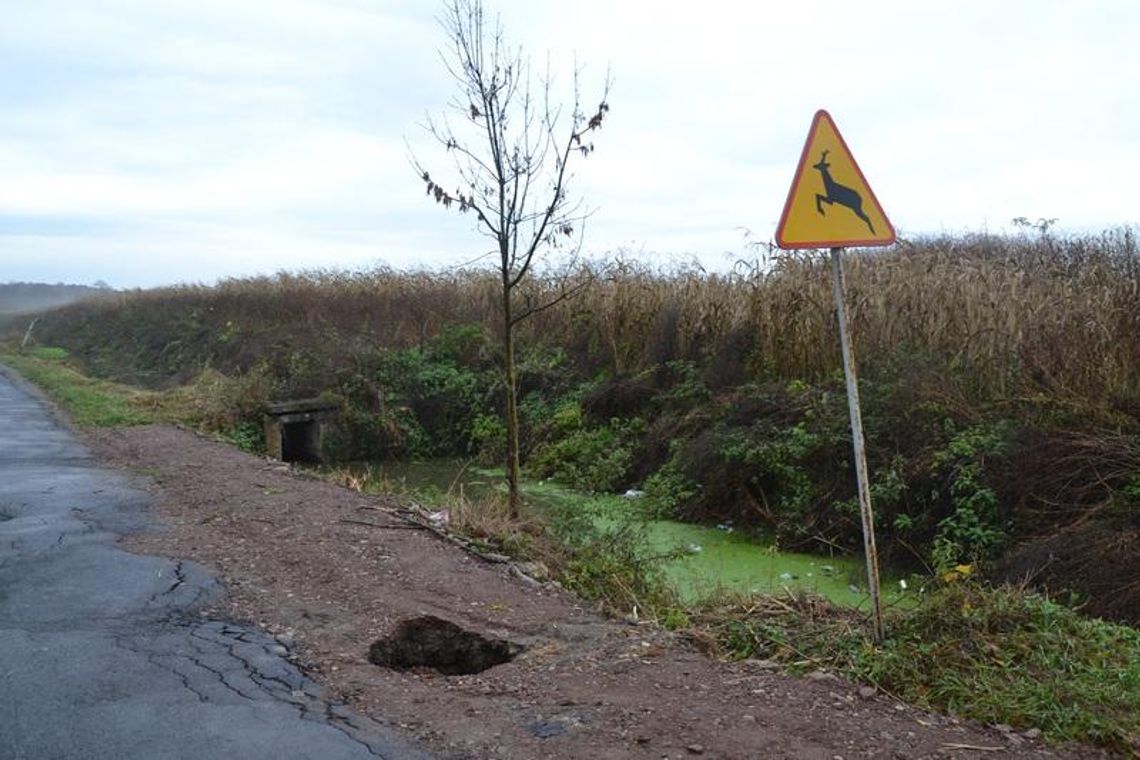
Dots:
(432, 642)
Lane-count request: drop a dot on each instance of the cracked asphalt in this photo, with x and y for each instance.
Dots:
(103, 653)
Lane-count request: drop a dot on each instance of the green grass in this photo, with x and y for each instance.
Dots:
(89, 402)
(1007, 656)
(49, 353)
(212, 403)
(999, 655)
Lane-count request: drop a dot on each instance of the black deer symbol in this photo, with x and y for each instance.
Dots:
(837, 193)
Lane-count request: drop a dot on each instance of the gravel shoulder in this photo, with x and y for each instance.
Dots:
(329, 571)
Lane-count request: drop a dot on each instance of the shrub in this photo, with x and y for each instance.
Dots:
(591, 459)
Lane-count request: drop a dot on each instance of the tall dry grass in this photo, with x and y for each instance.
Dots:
(1013, 315)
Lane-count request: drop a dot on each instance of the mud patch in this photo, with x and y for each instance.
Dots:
(441, 645)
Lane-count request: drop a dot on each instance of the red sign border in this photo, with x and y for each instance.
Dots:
(820, 115)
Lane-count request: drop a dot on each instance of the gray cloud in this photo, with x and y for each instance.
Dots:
(153, 142)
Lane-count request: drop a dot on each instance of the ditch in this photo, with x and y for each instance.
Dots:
(703, 561)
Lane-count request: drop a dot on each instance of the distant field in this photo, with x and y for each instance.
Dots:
(18, 298)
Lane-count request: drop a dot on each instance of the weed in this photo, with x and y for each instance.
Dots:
(590, 459)
(49, 353)
(973, 530)
(487, 520)
(668, 490)
(247, 436)
(615, 569)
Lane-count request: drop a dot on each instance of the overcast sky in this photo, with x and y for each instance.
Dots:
(145, 142)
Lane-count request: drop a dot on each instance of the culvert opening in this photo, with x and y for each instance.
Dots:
(432, 642)
(300, 442)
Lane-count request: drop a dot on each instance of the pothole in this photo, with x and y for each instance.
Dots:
(432, 642)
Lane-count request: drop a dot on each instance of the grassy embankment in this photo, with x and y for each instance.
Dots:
(1001, 380)
(89, 401)
(96, 402)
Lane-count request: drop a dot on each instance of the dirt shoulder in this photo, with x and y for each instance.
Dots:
(330, 571)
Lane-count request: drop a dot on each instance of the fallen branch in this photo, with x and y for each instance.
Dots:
(408, 526)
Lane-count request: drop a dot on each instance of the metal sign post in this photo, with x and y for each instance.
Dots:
(831, 205)
(861, 476)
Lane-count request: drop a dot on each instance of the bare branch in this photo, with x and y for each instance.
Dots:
(564, 294)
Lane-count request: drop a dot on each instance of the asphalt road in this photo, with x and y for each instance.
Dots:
(102, 652)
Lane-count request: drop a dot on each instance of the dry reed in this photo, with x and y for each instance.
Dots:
(1013, 315)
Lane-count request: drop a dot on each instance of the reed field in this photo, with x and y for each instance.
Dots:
(1011, 315)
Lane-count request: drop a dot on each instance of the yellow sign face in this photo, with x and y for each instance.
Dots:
(830, 204)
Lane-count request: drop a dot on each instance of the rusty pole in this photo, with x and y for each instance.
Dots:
(861, 476)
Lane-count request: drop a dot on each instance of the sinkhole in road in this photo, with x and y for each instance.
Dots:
(432, 642)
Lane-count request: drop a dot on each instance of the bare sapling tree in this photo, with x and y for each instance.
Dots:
(510, 148)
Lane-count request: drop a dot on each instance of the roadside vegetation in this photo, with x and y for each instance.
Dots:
(1000, 655)
(205, 404)
(1001, 386)
(90, 402)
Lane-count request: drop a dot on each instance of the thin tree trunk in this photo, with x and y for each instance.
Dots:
(512, 404)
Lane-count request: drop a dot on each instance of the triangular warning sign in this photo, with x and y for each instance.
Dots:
(830, 203)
